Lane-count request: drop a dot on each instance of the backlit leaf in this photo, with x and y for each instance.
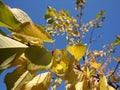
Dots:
(77, 50)
(38, 58)
(40, 82)
(60, 62)
(7, 19)
(95, 64)
(30, 32)
(103, 83)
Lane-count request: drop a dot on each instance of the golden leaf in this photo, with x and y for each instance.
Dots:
(77, 50)
(60, 62)
(95, 64)
(30, 32)
(103, 83)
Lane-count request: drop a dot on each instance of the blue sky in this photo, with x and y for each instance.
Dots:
(36, 10)
(110, 27)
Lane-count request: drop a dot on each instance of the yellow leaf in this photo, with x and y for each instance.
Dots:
(60, 62)
(88, 72)
(7, 18)
(103, 83)
(95, 64)
(70, 72)
(31, 32)
(77, 50)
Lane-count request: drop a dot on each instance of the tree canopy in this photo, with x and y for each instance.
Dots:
(23, 51)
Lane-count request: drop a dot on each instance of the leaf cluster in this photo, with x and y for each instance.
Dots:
(76, 65)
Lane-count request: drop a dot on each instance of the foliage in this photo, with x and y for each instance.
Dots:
(78, 66)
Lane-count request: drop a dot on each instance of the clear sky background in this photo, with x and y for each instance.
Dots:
(110, 27)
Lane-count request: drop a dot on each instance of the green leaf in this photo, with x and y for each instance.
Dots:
(77, 50)
(38, 58)
(7, 19)
(9, 51)
(40, 82)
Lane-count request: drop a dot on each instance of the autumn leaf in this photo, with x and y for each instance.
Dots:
(40, 82)
(38, 58)
(31, 33)
(77, 50)
(20, 15)
(103, 83)
(9, 51)
(70, 72)
(60, 62)
(117, 41)
(7, 18)
(95, 64)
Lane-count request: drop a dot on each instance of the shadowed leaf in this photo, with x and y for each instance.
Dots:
(25, 77)
(38, 58)
(9, 50)
(70, 72)
(40, 82)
